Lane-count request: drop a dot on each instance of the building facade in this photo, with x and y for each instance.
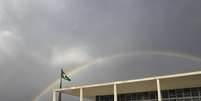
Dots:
(175, 87)
(185, 94)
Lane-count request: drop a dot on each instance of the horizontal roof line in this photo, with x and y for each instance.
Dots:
(130, 81)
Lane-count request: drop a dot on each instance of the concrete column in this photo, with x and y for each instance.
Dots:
(81, 94)
(115, 92)
(158, 89)
(54, 96)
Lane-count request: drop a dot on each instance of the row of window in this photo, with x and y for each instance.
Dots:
(187, 94)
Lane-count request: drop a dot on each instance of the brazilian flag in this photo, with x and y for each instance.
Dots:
(65, 76)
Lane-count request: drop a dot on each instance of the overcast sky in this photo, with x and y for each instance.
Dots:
(131, 38)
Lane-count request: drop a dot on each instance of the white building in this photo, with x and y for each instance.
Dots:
(176, 87)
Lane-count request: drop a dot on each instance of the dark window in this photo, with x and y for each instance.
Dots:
(195, 99)
(180, 99)
(187, 92)
(194, 92)
(139, 96)
(128, 97)
(97, 98)
(111, 97)
(102, 98)
(172, 93)
(179, 92)
(199, 91)
(165, 94)
(122, 97)
(188, 99)
(118, 97)
(146, 95)
(107, 98)
(152, 95)
(134, 96)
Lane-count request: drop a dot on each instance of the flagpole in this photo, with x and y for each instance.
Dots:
(59, 98)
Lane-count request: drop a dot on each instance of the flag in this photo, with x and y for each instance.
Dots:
(65, 76)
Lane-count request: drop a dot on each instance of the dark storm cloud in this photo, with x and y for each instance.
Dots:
(34, 34)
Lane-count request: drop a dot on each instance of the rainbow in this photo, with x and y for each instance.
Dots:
(85, 66)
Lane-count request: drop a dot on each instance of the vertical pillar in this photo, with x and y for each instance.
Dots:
(158, 89)
(54, 96)
(115, 92)
(81, 94)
